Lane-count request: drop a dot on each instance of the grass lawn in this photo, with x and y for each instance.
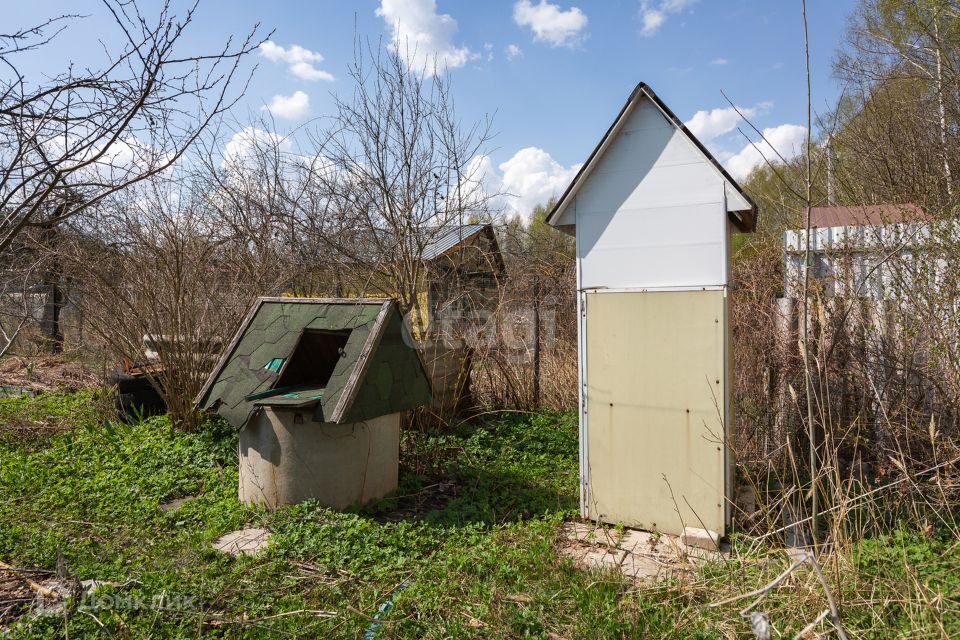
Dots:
(465, 549)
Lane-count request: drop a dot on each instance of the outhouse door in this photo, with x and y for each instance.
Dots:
(653, 422)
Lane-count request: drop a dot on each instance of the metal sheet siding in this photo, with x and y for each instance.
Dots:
(656, 383)
(736, 201)
(653, 212)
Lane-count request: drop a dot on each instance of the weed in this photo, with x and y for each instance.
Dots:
(471, 531)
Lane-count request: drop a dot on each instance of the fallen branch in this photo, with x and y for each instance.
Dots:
(36, 586)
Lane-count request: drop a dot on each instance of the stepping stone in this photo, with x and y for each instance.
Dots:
(247, 541)
(700, 538)
(797, 553)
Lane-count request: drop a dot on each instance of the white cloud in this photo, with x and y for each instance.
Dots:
(301, 62)
(489, 50)
(710, 126)
(530, 178)
(652, 19)
(653, 13)
(290, 107)
(306, 71)
(244, 143)
(719, 61)
(707, 125)
(551, 24)
(422, 37)
(513, 51)
(787, 139)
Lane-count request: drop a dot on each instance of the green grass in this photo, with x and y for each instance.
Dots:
(466, 549)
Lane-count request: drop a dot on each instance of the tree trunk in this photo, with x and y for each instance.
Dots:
(50, 324)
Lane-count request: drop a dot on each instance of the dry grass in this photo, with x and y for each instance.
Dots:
(47, 374)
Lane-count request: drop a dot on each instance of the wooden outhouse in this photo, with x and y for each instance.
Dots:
(317, 388)
(653, 213)
(463, 275)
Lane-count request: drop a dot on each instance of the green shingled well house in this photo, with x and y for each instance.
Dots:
(317, 387)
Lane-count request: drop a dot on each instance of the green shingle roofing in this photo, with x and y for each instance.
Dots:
(378, 373)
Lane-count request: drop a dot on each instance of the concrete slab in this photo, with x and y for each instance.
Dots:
(638, 555)
(640, 567)
(645, 542)
(596, 558)
(591, 533)
(248, 541)
(700, 538)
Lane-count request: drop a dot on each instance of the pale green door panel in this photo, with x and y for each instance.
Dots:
(656, 390)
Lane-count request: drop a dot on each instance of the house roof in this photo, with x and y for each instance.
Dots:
(442, 240)
(377, 373)
(745, 220)
(431, 241)
(863, 216)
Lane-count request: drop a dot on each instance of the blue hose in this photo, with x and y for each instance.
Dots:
(382, 612)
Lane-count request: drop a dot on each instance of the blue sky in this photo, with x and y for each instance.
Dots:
(553, 73)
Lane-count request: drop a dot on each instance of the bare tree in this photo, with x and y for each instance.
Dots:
(902, 59)
(162, 269)
(265, 198)
(69, 142)
(396, 170)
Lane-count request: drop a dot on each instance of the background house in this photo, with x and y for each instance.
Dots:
(851, 247)
(464, 269)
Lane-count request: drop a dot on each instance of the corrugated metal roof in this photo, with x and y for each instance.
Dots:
(379, 244)
(864, 216)
(441, 240)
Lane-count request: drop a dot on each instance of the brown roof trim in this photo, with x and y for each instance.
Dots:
(497, 254)
(747, 222)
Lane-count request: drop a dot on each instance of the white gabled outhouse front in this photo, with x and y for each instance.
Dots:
(653, 213)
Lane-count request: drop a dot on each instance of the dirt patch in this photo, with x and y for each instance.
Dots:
(16, 593)
(415, 506)
(45, 374)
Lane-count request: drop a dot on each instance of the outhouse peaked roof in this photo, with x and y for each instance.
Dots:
(741, 208)
(445, 239)
(376, 372)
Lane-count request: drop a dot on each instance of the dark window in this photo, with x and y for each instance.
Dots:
(314, 359)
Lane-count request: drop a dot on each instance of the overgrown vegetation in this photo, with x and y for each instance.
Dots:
(465, 548)
(98, 251)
